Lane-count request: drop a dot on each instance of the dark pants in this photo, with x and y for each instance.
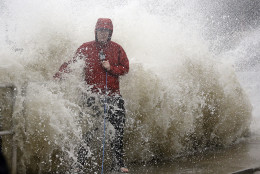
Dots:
(116, 116)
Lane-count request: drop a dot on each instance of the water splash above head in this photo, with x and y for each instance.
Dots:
(179, 98)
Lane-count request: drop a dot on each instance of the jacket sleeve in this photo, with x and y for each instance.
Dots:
(65, 66)
(63, 69)
(123, 66)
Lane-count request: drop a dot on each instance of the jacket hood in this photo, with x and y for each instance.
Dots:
(104, 23)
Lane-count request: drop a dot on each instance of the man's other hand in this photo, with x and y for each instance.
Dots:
(106, 65)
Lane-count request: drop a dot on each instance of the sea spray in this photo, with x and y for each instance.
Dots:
(202, 107)
(179, 99)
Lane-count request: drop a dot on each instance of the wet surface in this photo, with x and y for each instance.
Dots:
(235, 158)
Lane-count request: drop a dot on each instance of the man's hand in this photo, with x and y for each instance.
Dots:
(106, 65)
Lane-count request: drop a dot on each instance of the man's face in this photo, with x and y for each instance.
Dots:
(102, 35)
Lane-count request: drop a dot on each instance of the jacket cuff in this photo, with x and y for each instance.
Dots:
(111, 69)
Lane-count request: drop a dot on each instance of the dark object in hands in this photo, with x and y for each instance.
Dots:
(101, 55)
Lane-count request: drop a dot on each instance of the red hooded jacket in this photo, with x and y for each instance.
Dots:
(95, 74)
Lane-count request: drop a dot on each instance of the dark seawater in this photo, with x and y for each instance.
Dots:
(192, 94)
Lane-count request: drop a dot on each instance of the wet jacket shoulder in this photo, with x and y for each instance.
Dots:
(80, 54)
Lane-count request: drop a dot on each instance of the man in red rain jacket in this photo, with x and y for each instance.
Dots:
(115, 62)
(105, 61)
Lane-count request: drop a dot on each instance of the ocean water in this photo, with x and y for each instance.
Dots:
(193, 85)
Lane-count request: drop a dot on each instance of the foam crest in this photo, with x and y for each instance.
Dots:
(179, 99)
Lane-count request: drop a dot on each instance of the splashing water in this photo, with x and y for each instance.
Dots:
(179, 97)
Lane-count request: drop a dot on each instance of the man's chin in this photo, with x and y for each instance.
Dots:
(102, 42)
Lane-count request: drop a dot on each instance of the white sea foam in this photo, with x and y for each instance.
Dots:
(179, 97)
